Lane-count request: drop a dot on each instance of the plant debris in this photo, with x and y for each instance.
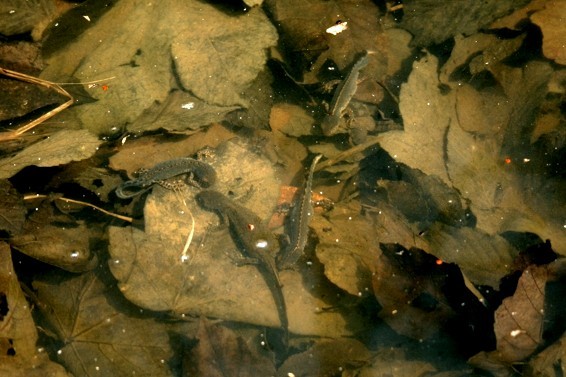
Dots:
(435, 242)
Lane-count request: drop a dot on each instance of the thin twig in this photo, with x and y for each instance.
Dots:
(67, 200)
(10, 135)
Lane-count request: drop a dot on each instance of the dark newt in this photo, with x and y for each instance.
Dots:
(298, 223)
(257, 242)
(205, 176)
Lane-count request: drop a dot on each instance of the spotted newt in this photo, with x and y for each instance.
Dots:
(160, 173)
(256, 242)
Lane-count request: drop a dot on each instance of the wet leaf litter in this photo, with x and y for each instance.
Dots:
(436, 221)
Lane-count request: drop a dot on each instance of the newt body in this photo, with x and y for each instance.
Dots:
(205, 176)
(342, 97)
(298, 223)
(256, 241)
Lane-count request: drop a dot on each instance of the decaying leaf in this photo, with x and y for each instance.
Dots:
(12, 210)
(180, 111)
(483, 258)
(232, 53)
(17, 331)
(346, 256)
(58, 239)
(19, 355)
(549, 361)
(410, 286)
(214, 56)
(59, 148)
(326, 358)
(100, 334)
(395, 362)
(519, 319)
(433, 22)
(551, 22)
(304, 28)
(220, 352)
(291, 120)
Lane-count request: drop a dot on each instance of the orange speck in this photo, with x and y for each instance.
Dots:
(439, 262)
(104, 87)
(251, 227)
(507, 160)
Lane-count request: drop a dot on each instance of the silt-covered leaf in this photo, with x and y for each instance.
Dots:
(432, 21)
(12, 210)
(220, 352)
(99, 334)
(60, 148)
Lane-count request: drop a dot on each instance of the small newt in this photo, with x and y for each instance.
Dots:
(257, 242)
(342, 97)
(205, 176)
(298, 223)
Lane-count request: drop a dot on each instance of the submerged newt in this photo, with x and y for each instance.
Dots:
(298, 223)
(342, 96)
(257, 242)
(205, 176)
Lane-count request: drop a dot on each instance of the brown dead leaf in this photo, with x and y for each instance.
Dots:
(411, 287)
(519, 320)
(433, 22)
(181, 112)
(58, 239)
(548, 361)
(551, 22)
(326, 358)
(19, 355)
(17, 329)
(99, 333)
(395, 362)
(12, 210)
(220, 352)
(485, 259)
(291, 120)
(208, 52)
(346, 255)
(60, 148)
(303, 26)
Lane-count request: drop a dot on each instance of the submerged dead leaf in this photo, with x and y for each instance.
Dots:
(19, 355)
(58, 239)
(409, 285)
(58, 149)
(17, 329)
(180, 111)
(326, 358)
(99, 335)
(551, 22)
(431, 21)
(346, 256)
(12, 210)
(396, 362)
(220, 352)
(519, 320)
(483, 258)
(211, 54)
